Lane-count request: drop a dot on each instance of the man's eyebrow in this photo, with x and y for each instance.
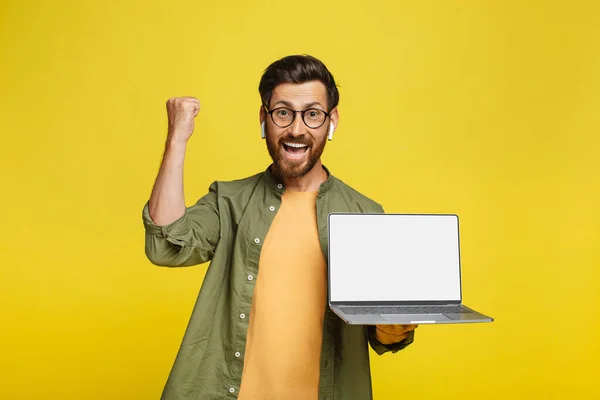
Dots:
(314, 103)
(290, 105)
(285, 103)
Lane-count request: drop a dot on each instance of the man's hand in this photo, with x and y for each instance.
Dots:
(181, 112)
(389, 334)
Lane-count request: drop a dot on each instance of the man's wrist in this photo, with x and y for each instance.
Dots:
(173, 142)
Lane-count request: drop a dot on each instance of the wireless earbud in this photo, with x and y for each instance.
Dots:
(262, 130)
(331, 129)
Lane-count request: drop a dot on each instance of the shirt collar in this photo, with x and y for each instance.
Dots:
(276, 185)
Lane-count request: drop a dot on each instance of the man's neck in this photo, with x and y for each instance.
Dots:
(309, 182)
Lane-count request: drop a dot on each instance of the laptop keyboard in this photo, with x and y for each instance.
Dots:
(404, 310)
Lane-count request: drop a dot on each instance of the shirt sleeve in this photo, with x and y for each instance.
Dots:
(190, 240)
(381, 348)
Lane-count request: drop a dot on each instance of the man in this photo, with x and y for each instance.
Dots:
(261, 328)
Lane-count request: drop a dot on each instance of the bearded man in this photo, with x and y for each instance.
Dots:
(261, 328)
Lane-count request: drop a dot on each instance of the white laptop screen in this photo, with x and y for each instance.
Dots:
(391, 257)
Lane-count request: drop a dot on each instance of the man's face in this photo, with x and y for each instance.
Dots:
(296, 149)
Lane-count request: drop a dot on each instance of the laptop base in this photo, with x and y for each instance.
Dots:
(469, 316)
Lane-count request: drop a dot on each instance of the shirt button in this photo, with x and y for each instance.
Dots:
(242, 315)
(257, 240)
(237, 354)
(272, 208)
(231, 390)
(279, 186)
(250, 277)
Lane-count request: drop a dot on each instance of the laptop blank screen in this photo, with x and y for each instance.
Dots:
(391, 257)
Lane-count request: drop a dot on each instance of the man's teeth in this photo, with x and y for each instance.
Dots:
(297, 145)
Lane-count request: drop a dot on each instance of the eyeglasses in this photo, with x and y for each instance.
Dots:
(284, 117)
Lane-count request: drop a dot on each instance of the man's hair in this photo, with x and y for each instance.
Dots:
(297, 69)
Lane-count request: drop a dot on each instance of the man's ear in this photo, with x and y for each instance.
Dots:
(262, 117)
(334, 117)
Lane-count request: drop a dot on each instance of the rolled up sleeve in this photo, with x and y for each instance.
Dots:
(190, 240)
(381, 348)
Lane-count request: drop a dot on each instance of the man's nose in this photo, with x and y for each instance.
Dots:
(297, 127)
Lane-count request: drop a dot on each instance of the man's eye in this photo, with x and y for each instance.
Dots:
(313, 114)
(283, 113)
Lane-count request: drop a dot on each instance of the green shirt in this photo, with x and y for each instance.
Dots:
(227, 226)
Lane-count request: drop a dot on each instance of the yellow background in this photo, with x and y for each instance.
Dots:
(487, 109)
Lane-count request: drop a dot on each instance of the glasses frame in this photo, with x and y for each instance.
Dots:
(294, 112)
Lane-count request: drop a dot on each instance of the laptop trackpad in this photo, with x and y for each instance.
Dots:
(414, 318)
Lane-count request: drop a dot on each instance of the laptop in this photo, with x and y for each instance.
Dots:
(396, 269)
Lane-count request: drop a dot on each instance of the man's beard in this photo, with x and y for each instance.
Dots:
(285, 169)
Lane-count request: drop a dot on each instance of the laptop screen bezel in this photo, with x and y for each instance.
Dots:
(390, 302)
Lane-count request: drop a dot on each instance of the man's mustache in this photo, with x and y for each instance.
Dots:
(295, 140)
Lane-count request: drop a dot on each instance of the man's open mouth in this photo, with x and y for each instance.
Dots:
(295, 150)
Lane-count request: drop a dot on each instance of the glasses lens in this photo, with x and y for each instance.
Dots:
(282, 117)
(314, 118)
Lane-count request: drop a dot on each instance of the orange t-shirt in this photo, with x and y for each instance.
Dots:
(283, 345)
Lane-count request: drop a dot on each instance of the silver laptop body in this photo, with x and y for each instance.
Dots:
(396, 269)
